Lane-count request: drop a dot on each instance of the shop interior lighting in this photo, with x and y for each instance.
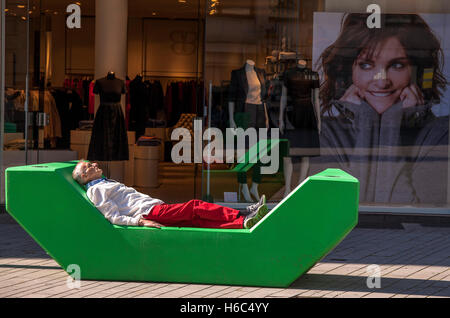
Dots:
(213, 5)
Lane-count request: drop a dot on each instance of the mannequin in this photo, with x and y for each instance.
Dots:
(109, 139)
(111, 75)
(249, 69)
(304, 77)
(247, 95)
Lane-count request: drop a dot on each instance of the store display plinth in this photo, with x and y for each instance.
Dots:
(288, 241)
(146, 159)
(160, 133)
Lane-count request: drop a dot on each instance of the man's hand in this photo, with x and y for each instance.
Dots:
(149, 223)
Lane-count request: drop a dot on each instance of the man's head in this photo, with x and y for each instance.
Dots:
(86, 172)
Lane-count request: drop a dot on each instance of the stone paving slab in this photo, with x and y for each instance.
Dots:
(413, 262)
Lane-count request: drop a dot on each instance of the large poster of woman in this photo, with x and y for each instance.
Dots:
(385, 103)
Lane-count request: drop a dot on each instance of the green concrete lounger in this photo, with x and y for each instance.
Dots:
(294, 236)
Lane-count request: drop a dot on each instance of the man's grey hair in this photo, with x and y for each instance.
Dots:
(76, 173)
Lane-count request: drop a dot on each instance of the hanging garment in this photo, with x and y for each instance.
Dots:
(127, 104)
(62, 104)
(193, 90)
(109, 140)
(53, 129)
(85, 96)
(156, 99)
(305, 135)
(91, 108)
(138, 101)
(77, 111)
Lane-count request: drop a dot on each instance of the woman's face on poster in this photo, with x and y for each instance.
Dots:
(381, 78)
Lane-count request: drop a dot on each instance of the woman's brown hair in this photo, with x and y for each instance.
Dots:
(422, 48)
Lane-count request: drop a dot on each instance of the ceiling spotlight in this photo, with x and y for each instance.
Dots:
(213, 6)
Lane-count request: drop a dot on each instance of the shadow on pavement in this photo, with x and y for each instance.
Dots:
(346, 283)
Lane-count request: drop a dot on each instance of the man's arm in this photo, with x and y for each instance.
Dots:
(109, 208)
(149, 223)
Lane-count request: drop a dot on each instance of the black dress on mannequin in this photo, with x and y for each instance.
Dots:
(109, 140)
(300, 83)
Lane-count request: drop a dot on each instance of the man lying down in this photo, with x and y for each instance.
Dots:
(123, 205)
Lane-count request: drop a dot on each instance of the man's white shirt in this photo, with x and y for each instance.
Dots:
(120, 204)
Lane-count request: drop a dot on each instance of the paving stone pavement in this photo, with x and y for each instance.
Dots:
(412, 262)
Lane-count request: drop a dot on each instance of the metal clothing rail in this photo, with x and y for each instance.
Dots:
(168, 76)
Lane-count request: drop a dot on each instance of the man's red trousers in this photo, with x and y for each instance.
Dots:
(196, 213)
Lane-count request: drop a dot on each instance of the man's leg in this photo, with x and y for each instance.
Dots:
(196, 213)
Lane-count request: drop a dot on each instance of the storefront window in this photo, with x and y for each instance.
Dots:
(351, 87)
(301, 85)
(249, 46)
(57, 56)
(14, 84)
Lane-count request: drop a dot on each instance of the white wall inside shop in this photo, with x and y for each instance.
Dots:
(229, 43)
(389, 6)
(74, 50)
(135, 46)
(59, 52)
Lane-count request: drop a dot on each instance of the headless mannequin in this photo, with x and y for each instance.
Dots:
(287, 161)
(111, 75)
(243, 187)
(249, 67)
(113, 169)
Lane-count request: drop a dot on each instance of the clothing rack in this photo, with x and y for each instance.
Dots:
(79, 76)
(169, 77)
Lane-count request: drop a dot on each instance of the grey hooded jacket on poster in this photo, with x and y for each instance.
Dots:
(399, 156)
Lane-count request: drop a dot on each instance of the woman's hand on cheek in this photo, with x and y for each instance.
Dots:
(411, 96)
(352, 95)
